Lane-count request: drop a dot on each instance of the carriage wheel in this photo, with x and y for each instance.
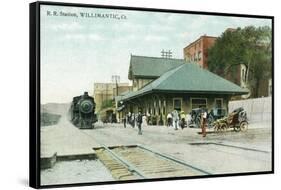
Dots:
(216, 127)
(236, 128)
(244, 126)
(223, 127)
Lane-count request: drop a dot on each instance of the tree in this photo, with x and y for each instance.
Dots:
(251, 47)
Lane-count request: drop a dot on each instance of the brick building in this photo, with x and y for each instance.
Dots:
(175, 84)
(197, 51)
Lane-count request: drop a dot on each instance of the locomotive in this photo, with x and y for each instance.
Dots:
(82, 111)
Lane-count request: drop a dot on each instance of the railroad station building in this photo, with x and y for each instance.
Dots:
(161, 85)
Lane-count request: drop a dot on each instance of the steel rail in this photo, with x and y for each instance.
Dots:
(139, 173)
(130, 166)
(170, 158)
(240, 147)
(229, 145)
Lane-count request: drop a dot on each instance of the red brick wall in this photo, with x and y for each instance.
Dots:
(201, 45)
(208, 42)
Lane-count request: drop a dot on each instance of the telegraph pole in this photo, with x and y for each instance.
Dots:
(166, 54)
(116, 79)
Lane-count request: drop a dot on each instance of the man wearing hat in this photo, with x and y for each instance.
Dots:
(139, 122)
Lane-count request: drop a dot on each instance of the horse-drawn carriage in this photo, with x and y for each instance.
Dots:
(236, 120)
(213, 115)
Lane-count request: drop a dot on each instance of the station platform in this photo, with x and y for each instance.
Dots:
(65, 140)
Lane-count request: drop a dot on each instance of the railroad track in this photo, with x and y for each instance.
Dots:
(139, 162)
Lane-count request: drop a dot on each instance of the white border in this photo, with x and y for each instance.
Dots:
(14, 75)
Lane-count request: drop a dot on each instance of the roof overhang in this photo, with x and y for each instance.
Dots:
(145, 77)
(202, 92)
(125, 99)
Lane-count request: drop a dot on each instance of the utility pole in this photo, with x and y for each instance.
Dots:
(166, 54)
(116, 79)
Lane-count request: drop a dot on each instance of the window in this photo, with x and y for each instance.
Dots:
(198, 102)
(218, 102)
(199, 55)
(177, 104)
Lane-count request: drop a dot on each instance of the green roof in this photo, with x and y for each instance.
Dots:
(151, 67)
(189, 78)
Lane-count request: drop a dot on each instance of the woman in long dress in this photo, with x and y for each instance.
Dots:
(144, 120)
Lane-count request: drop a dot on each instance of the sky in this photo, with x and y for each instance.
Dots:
(78, 51)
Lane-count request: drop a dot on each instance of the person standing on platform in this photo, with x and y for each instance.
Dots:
(203, 122)
(169, 120)
(133, 119)
(129, 118)
(139, 122)
(125, 120)
(175, 119)
(144, 120)
(182, 120)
